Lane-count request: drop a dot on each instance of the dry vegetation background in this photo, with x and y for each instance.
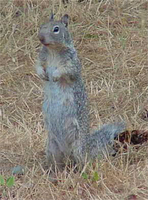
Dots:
(112, 41)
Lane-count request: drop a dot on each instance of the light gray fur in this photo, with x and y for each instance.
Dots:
(99, 143)
(65, 101)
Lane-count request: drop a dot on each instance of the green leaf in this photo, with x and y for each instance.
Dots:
(95, 176)
(84, 175)
(10, 181)
(2, 181)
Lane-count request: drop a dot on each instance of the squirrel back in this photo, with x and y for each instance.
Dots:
(65, 100)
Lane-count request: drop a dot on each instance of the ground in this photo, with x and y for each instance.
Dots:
(111, 38)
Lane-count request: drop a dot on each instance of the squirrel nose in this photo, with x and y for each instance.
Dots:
(42, 39)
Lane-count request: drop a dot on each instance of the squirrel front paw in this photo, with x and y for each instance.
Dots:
(42, 72)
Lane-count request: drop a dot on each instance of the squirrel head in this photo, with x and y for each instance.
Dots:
(55, 34)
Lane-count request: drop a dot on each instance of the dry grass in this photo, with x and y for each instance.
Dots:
(111, 39)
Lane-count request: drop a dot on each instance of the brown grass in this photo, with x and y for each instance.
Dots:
(111, 39)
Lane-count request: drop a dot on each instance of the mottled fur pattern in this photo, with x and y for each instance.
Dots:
(99, 143)
(65, 100)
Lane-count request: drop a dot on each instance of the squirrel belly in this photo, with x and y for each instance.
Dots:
(65, 105)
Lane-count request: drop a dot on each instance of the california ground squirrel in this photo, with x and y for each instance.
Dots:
(65, 100)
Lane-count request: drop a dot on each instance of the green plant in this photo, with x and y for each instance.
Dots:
(6, 183)
(9, 182)
(92, 176)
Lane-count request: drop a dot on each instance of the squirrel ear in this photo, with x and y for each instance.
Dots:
(51, 16)
(65, 20)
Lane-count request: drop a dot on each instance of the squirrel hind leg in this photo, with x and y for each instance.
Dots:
(55, 157)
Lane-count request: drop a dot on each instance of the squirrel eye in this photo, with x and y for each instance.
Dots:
(56, 29)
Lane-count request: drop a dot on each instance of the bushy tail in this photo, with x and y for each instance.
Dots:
(107, 133)
(100, 142)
